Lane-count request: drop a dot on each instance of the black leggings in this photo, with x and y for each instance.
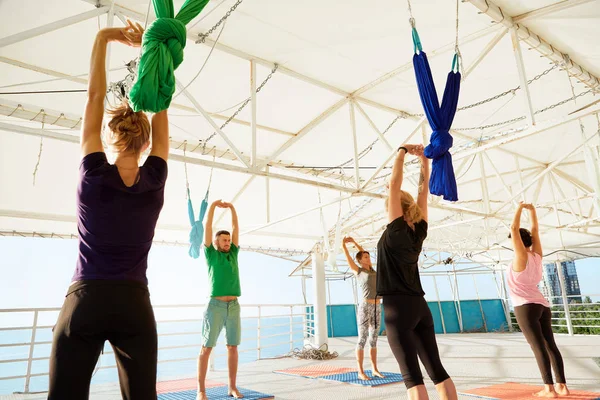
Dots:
(535, 322)
(410, 333)
(96, 311)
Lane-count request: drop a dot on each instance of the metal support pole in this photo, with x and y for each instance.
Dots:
(268, 195)
(355, 143)
(330, 308)
(522, 76)
(31, 348)
(503, 300)
(506, 298)
(253, 112)
(258, 335)
(319, 298)
(457, 299)
(437, 295)
(480, 305)
(291, 328)
(565, 300)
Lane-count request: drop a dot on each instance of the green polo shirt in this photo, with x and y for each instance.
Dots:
(223, 271)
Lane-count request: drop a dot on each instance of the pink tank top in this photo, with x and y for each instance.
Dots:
(523, 285)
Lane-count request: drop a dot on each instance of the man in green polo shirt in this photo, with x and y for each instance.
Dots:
(223, 309)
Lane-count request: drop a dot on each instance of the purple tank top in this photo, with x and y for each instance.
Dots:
(116, 223)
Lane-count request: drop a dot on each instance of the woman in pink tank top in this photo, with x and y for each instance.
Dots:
(531, 308)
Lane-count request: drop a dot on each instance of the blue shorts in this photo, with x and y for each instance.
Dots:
(219, 314)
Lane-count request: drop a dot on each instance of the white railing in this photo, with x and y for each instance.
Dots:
(576, 316)
(273, 321)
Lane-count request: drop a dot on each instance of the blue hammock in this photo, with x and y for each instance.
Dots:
(442, 181)
(197, 232)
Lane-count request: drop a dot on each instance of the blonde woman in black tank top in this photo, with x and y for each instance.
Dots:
(408, 320)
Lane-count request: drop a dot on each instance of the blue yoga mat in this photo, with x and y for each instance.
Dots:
(352, 378)
(215, 393)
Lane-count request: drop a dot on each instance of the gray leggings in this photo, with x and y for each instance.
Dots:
(369, 320)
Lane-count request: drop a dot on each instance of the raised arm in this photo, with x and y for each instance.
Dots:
(535, 230)
(520, 260)
(235, 228)
(160, 135)
(353, 266)
(394, 203)
(131, 35)
(423, 184)
(358, 246)
(208, 227)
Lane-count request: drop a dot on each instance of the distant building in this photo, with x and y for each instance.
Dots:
(550, 286)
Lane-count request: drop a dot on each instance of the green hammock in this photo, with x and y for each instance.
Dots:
(162, 53)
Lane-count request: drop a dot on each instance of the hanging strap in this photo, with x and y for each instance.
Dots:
(415, 35)
(418, 48)
(456, 62)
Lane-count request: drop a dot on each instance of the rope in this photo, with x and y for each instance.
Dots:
(203, 65)
(15, 110)
(244, 104)
(205, 15)
(310, 353)
(457, 60)
(187, 182)
(39, 158)
(411, 20)
(211, 175)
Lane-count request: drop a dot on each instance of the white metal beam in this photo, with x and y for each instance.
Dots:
(310, 126)
(535, 41)
(574, 181)
(197, 161)
(539, 128)
(500, 178)
(201, 110)
(355, 145)
(392, 154)
(522, 75)
(564, 197)
(544, 172)
(41, 70)
(552, 8)
(430, 54)
(40, 30)
(486, 200)
(298, 214)
(253, 112)
(268, 64)
(271, 251)
(372, 124)
(485, 52)
(237, 196)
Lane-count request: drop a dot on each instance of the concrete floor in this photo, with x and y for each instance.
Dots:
(472, 360)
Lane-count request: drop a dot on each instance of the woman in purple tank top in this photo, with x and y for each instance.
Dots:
(531, 308)
(117, 209)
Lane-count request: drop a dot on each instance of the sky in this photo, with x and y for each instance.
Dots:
(36, 273)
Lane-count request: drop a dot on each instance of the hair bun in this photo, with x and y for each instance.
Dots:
(130, 129)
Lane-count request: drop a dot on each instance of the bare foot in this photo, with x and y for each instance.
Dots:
(378, 374)
(362, 376)
(201, 396)
(235, 394)
(545, 393)
(562, 390)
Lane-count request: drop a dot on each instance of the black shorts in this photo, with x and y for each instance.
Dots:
(94, 312)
